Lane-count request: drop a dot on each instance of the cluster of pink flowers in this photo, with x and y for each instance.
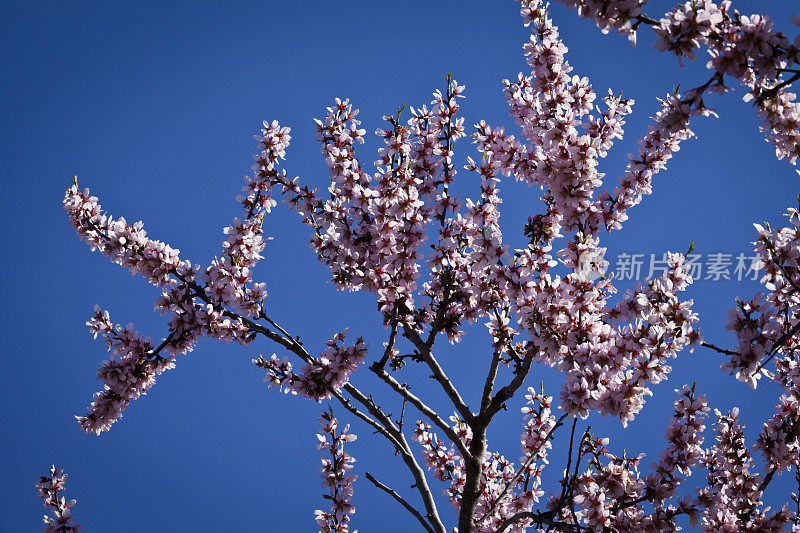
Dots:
(568, 317)
(751, 323)
(779, 440)
(446, 463)
(335, 475)
(655, 149)
(370, 229)
(200, 303)
(131, 370)
(731, 501)
(322, 375)
(684, 437)
(609, 354)
(536, 436)
(227, 277)
(686, 28)
(48, 489)
(747, 48)
(565, 142)
(618, 15)
(610, 493)
(123, 243)
(767, 331)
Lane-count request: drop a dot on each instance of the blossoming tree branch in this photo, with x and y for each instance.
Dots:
(436, 263)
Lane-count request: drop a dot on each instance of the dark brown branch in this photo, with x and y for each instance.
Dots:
(774, 90)
(540, 519)
(479, 425)
(423, 408)
(387, 353)
(420, 482)
(766, 481)
(488, 386)
(366, 418)
(777, 345)
(400, 500)
(619, 506)
(644, 19)
(383, 424)
(569, 460)
(719, 350)
(276, 326)
(472, 484)
(504, 394)
(438, 373)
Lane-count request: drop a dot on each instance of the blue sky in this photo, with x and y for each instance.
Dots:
(154, 106)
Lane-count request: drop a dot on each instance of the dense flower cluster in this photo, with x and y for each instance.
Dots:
(732, 497)
(227, 277)
(131, 370)
(370, 229)
(48, 488)
(767, 331)
(610, 493)
(684, 437)
(617, 15)
(199, 303)
(565, 141)
(125, 244)
(747, 48)
(335, 475)
(322, 375)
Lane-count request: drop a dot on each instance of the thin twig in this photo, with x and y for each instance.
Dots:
(420, 481)
(438, 373)
(718, 349)
(421, 406)
(400, 500)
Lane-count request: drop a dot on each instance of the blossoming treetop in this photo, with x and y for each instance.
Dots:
(436, 262)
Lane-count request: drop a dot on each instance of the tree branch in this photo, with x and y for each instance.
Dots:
(427, 411)
(400, 500)
(488, 386)
(505, 393)
(407, 455)
(719, 350)
(541, 519)
(438, 373)
(366, 418)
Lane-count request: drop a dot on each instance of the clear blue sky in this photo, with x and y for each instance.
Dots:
(154, 105)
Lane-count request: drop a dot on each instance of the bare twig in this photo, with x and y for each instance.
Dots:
(438, 373)
(719, 350)
(400, 500)
(347, 404)
(420, 482)
(423, 408)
